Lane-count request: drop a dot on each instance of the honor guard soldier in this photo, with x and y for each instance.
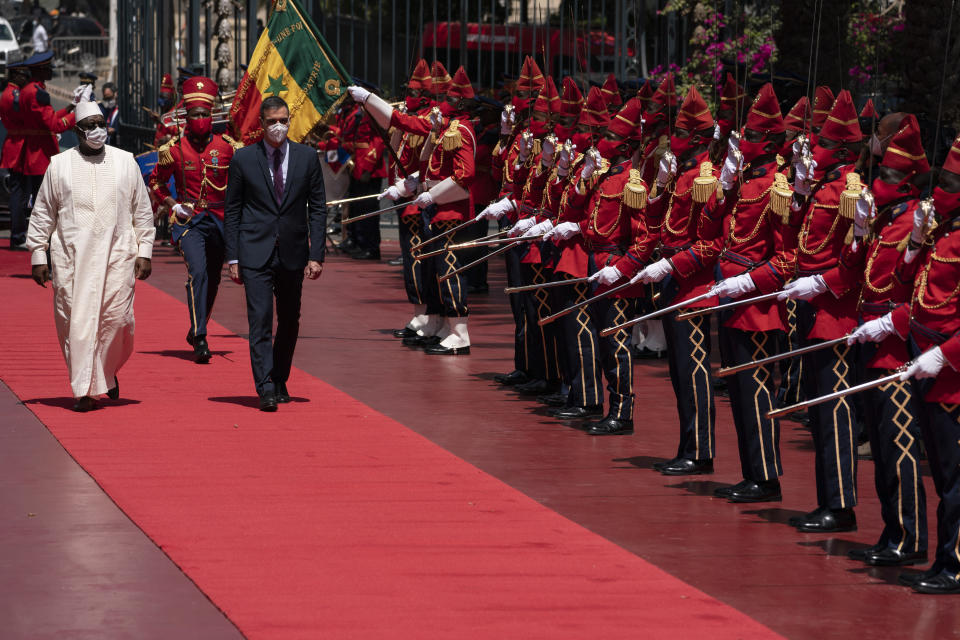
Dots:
(689, 248)
(890, 412)
(611, 95)
(446, 171)
(166, 128)
(931, 325)
(407, 146)
(366, 146)
(198, 161)
(758, 257)
(603, 235)
(485, 188)
(827, 189)
(31, 124)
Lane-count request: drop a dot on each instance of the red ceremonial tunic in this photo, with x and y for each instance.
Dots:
(31, 124)
(933, 315)
(200, 174)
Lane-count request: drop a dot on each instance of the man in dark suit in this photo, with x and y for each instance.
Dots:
(275, 219)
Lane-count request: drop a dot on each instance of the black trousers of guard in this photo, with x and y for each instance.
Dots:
(791, 369)
(891, 416)
(366, 233)
(541, 342)
(202, 248)
(271, 357)
(411, 232)
(751, 397)
(579, 344)
(940, 427)
(23, 190)
(688, 357)
(476, 276)
(616, 353)
(521, 351)
(450, 296)
(831, 423)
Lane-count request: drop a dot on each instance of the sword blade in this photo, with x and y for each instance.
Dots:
(873, 384)
(496, 252)
(559, 314)
(655, 314)
(729, 305)
(729, 371)
(446, 233)
(356, 199)
(374, 214)
(545, 285)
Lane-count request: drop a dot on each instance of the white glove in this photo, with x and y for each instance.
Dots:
(392, 193)
(496, 210)
(358, 94)
(436, 118)
(563, 231)
(525, 147)
(734, 287)
(803, 288)
(566, 157)
(716, 132)
(607, 276)
(922, 219)
(183, 212)
(523, 225)
(332, 156)
(731, 168)
(799, 147)
(803, 181)
(590, 164)
(865, 212)
(873, 331)
(423, 200)
(507, 119)
(655, 272)
(733, 140)
(928, 365)
(667, 169)
(538, 229)
(82, 94)
(547, 150)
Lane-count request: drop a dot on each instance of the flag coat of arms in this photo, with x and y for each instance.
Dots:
(294, 62)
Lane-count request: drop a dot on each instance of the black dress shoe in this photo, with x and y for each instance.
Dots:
(281, 394)
(190, 337)
(201, 351)
(420, 342)
(348, 246)
(910, 578)
(558, 399)
(686, 467)
(535, 387)
(796, 521)
(859, 554)
(513, 378)
(611, 427)
(114, 394)
(890, 557)
(941, 584)
(268, 402)
(406, 332)
(396, 262)
(830, 521)
(659, 466)
(575, 412)
(366, 254)
(768, 491)
(720, 492)
(440, 350)
(84, 404)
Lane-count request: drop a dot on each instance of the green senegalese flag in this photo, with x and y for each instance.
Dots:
(294, 62)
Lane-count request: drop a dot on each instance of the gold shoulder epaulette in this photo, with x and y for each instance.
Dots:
(164, 156)
(781, 194)
(705, 184)
(634, 193)
(233, 143)
(850, 196)
(451, 137)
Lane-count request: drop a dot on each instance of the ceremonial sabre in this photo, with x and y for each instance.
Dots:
(656, 314)
(545, 285)
(729, 305)
(346, 200)
(873, 384)
(373, 214)
(474, 244)
(497, 252)
(588, 301)
(448, 232)
(729, 371)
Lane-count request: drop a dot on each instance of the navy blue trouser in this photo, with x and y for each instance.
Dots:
(201, 246)
(23, 189)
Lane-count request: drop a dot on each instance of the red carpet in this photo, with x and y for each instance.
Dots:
(329, 519)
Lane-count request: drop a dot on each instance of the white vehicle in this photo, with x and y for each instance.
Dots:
(9, 49)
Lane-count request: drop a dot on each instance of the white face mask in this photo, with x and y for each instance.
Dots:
(96, 138)
(277, 132)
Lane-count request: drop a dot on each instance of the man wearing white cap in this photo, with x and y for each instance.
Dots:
(93, 215)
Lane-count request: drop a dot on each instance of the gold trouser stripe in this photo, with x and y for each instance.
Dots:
(761, 376)
(840, 370)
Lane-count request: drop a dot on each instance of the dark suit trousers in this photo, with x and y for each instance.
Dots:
(202, 248)
(23, 190)
(272, 357)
